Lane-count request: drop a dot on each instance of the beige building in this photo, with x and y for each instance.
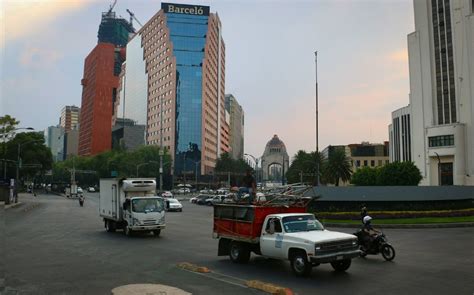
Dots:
(174, 85)
(69, 117)
(236, 114)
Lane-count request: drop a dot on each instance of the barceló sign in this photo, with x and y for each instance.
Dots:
(185, 9)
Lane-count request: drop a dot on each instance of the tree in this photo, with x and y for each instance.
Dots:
(35, 156)
(7, 124)
(303, 167)
(338, 167)
(365, 176)
(227, 165)
(399, 173)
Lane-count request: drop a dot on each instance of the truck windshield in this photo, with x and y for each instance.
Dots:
(299, 223)
(147, 205)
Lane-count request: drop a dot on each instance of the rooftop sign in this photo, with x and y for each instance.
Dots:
(185, 9)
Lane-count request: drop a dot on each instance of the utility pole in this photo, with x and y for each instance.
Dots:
(317, 110)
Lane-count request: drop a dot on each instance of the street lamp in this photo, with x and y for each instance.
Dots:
(161, 165)
(18, 165)
(196, 172)
(139, 165)
(439, 168)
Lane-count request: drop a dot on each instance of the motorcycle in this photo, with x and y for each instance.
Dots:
(375, 245)
(81, 201)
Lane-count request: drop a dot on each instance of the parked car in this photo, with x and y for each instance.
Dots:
(80, 190)
(174, 205)
(201, 199)
(91, 189)
(183, 190)
(193, 200)
(167, 194)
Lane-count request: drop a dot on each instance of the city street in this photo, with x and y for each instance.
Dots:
(53, 246)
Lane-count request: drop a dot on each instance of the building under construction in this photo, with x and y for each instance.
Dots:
(100, 82)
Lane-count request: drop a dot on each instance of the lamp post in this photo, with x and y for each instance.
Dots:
(18, 165)
(196, 170)
(4, 140)
(439, 168)
(317, 110)
(161, 165)
(139, 165)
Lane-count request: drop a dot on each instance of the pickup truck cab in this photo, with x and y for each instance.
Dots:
(297, 237)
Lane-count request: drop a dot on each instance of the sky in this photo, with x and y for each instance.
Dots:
(270, 64)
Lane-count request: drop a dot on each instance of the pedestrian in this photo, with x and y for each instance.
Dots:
(248, 185)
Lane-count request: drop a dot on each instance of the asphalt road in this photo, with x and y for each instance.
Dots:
(53, 246)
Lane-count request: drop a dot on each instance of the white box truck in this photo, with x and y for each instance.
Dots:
(131, 204)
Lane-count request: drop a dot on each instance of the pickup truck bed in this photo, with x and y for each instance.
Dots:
(244, 222)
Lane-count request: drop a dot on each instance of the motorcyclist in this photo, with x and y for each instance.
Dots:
(369, 232)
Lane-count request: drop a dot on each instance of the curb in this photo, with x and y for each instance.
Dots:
(402, 226)
(268, 288)
(193, 267)
(140, 289)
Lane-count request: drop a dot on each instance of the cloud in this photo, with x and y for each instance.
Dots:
(39, 58)
(398, 56)
(22, 18)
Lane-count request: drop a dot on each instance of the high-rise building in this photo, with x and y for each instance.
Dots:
(102, 68)
(441, 65)
(69, 117)
(174, 85)
(400, 135)
(236, 128)
(54, 139)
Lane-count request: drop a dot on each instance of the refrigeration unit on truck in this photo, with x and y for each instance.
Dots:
(132, 205)
(283, 232)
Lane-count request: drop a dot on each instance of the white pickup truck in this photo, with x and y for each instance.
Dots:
(297, 237)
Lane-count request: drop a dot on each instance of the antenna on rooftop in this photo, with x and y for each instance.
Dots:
(111, 7)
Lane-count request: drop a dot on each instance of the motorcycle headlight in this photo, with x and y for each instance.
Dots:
(136, 221)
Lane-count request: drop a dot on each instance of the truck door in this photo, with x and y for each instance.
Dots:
(271, 244)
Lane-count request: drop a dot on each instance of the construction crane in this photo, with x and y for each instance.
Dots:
(132, 17)
(111, 7)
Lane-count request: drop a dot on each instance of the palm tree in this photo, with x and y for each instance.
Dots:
(338, 167)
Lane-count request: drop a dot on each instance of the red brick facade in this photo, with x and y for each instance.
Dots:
(98, 87)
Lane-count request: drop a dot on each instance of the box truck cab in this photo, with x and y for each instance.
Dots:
(132, 205)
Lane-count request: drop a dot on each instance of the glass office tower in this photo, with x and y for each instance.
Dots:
(181, 56)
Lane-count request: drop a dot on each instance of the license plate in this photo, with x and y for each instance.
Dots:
(339, 257)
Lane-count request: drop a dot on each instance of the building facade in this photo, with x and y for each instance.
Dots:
(69, 118)
(100, 82)
(71, 144)
(236, 128)
(275, 161)
(441, 66)
(174, 85)
(54, 139)
(400, 136)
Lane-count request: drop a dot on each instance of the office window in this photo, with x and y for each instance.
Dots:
(365, 162)
(372, 163)
(358, 163)
(380, 163)
(442, 140)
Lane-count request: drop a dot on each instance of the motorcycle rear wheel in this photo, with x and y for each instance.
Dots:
(388, 252)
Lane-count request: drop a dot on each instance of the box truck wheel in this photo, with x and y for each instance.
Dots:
(157, 232)
(342, 265)
(128, 232)
(110, 226)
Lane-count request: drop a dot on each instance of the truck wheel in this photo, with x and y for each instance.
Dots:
(239, 252)
(300, 264)
(110, 226)
(388, 252)
(157, 232)
(342, 265)
(128, 232)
